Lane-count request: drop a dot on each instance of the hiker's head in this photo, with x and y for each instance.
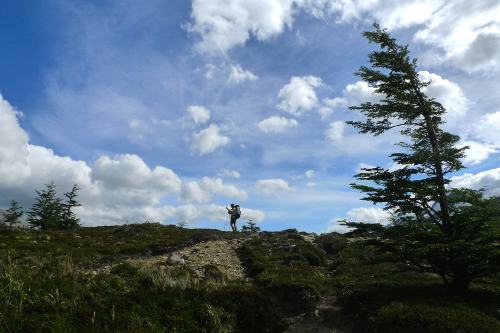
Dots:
(232, 205)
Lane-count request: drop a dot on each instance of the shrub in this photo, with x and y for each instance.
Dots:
(332, 243)
(429, 318)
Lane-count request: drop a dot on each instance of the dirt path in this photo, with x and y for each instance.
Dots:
(221, 253)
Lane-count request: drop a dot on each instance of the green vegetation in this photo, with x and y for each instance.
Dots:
(380, 293)
(106, 279)
(291, 270)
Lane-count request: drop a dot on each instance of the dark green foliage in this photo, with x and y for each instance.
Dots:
(450, 232)
(12, 215)
(433, 318)
(69, 218)
(380, 294)
(50, 212)
(332, 242)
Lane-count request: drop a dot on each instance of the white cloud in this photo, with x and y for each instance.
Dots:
(335, 226)
(353, 94)
(222, 25)
(239, 75)
(208, 140)
(360, 92)
(335, 131)
(299, 95)
(369, 215)
(225, 173)
(477, 152)
(274, 186)
(487, 129)
(448, 93)
(332, 104)
(309, 174)
(276, 124)
(199, 114)
(192, 191)
(130, 172)
(13, 146)
(204, 190)
(488, 180)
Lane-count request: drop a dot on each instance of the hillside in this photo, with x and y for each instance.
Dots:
(156, 278)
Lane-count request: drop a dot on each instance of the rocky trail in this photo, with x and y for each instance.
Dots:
(221, 253)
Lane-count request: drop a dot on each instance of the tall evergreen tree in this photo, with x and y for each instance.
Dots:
(70, 220)
(13, 214)
(431, 232)
(47, 211)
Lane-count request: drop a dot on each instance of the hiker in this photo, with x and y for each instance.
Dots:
(235, 214)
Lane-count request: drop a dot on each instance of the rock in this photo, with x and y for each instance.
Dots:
(175, 258)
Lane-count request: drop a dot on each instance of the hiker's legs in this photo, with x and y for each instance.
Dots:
(233, 224)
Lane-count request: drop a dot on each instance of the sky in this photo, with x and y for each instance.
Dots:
(170, 110)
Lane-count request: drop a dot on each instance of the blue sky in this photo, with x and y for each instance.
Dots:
(169, 110)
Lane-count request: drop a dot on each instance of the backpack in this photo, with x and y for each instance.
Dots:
(238, 211)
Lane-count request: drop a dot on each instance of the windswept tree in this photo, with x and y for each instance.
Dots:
(12, 215)
(69, 218)
(433, 233)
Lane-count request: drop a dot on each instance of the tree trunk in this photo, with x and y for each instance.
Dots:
(436, 155)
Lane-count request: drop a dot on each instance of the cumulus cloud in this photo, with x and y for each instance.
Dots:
(222, 25)
(487, 129)
(204, 190)
(276, 124)
(488, 180)
(353, 94)
(360, 214)
(369, 215)
(13, 146)
(448, 93)
(332, 104)
(299, 94)
(477, 152)
(239, 75)
(199, 114)
(273, 186)
(208, 140)
(130, 172)
(335, 131)
(309, 174)
(114, 189)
